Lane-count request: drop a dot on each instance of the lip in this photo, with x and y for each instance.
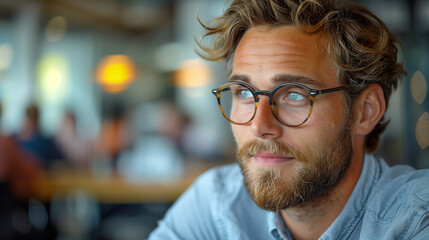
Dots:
(271, 160)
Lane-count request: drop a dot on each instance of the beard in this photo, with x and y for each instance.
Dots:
(314, 172)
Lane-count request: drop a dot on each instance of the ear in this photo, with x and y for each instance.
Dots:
(368, 109)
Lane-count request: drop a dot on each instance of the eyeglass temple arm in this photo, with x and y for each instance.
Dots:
(329, 90)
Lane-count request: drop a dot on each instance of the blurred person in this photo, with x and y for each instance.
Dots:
(115, 135)
(173, 122)
(193, 140)
(18, 169)
(30, 138)
(309, 83)
(77, 149)
(157, 150)
(18, 173)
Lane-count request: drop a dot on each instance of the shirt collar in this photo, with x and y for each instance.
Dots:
(350, 216)
(277, 226)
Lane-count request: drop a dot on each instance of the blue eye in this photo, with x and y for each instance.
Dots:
(246, 94)
(294, 96)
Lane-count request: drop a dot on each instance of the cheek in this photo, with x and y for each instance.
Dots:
(329, 113)
(321, 126)
(241, 134)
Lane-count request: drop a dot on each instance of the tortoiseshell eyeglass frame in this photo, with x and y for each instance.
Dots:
(312, 93)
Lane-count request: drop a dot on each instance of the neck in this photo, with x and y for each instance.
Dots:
(310, 220)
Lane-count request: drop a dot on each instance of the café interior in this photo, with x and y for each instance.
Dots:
(107, 114)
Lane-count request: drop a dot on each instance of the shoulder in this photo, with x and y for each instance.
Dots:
(197, 213)
(399, 201)
(405, 183)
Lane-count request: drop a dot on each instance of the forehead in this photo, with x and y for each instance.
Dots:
(265, 52)
(283, 37)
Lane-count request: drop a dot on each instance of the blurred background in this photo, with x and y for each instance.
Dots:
(107, 114)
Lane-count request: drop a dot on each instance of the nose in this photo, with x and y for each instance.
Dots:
(264, 125)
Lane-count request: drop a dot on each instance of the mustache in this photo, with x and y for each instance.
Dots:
(253, 147)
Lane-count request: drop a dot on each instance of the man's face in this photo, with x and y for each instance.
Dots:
(284, 166)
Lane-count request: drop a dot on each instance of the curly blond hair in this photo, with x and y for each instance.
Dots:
(360, 45)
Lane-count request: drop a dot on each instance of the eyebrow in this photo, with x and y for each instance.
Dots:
(280, 79)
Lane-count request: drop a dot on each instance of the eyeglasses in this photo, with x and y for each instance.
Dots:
(291, 103)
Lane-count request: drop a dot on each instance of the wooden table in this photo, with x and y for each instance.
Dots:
(113, 188)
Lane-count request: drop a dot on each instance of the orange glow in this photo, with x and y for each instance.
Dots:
(115, 73)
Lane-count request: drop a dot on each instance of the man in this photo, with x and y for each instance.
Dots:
(309, 82)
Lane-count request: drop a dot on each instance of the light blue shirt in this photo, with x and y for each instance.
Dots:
(387, 203)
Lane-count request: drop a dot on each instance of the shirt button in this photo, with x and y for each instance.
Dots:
(275, 233)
